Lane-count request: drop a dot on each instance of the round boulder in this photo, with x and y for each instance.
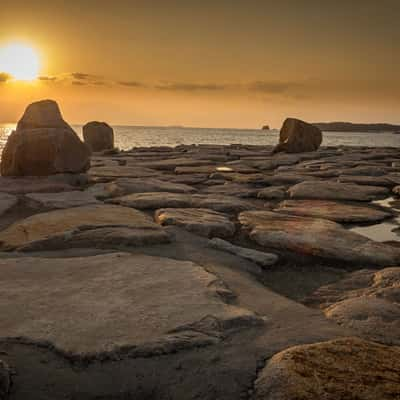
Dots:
(43, 144)
(99, 136)
(297, 136)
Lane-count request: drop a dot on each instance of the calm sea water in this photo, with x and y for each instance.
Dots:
(127, 137)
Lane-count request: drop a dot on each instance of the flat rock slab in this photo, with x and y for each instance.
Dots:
(332, 210)
(316, 237)
(125, 186)
(258, 257)
(154, 200)
(7, 201)
(64, 199)
(115, 303)
(200, 221)
(62, 225)
(366, 180)
(32, 185)
(348, 368)
(330, 190)
(272, 193)
(233, 189)
(366, 301)
(121, 171)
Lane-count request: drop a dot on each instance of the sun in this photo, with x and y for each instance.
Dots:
(20, 61)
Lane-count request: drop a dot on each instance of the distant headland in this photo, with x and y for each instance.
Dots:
(351, 127)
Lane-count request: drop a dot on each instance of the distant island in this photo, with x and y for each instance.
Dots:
(351, 127)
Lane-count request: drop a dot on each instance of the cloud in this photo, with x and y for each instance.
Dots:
(4, 77)
(131, 83)
(82, 76)
(47, 78)
(190, 87)
(272, 86)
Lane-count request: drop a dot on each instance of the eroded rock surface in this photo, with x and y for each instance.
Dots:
(365, 300)
(315, 237)
(332, 210)
(136, 303)
(61, 228)
(201, 221)
(347, 368)
(331, 190)
(75, 198)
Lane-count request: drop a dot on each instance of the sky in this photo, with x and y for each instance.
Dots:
(219, 63)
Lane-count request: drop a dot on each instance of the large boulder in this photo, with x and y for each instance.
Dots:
(43, 144)
(98, 136)
(348, 368)
(297, 136)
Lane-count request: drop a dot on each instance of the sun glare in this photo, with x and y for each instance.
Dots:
(19, 61)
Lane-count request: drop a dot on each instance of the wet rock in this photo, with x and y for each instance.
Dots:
(7, 201)
(272, 193)
(5, 380)
(365, 300)
(63, 200)
(99, 136)
(346, 368)
(63, 225)
(258, 257)
(333, 210)
(297, 136)
(330, 190)
(124, 186)
(43, 144)
(115, 304)
(315, 237)
(200, 221)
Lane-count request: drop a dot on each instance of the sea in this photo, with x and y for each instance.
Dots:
(127, 137)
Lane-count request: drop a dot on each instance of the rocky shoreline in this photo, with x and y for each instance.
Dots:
(202, 272)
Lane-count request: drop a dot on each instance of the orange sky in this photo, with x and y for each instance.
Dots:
(208, 63)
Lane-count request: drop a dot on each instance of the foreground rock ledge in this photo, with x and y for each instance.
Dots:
(105, 226)
(348, 368)
(114, 303)
(316, 237)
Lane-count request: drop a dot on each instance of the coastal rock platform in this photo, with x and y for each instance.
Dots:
(203, 272)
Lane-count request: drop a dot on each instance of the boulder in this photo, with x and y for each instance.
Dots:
(297, 136)
(345, 368)
(200, 221)
(99, 136)
(333, 210)
(43, 144)
(315, 237)
(366, 301)
(112, 304)
(83, 226)
(331, 190)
